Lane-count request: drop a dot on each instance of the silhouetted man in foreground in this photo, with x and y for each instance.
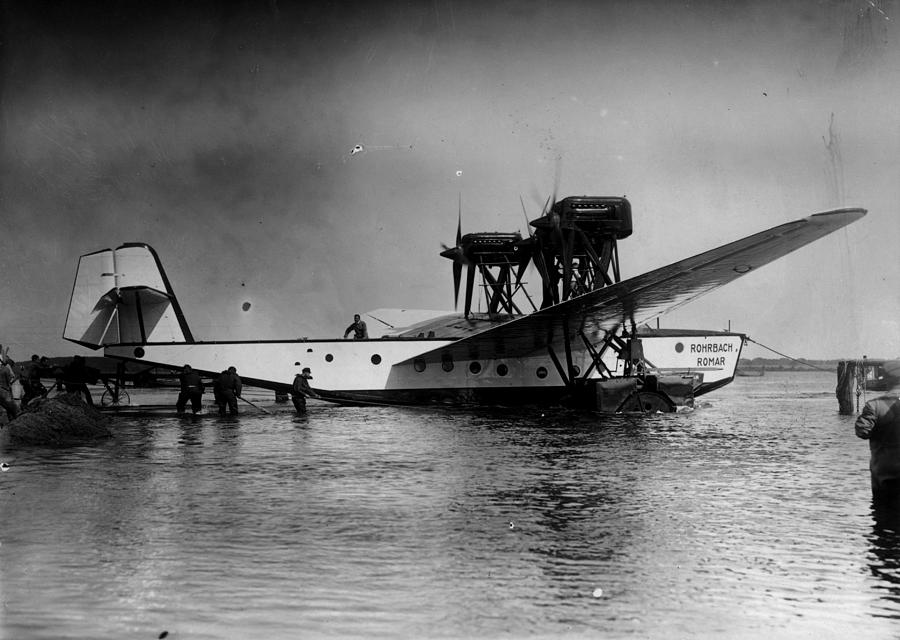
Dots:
(879, 423)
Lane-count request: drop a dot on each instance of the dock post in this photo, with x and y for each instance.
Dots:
(848, 387)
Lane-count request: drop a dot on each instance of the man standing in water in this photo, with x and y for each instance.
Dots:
(228, 389)
(879, 423)
(191, 389)
(300, 390)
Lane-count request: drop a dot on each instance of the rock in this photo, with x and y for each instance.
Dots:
(61, 421)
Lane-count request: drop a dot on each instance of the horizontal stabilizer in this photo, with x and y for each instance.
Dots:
(122, 296)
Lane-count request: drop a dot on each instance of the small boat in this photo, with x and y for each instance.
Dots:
(875, 378)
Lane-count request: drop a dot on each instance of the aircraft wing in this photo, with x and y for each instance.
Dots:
(644, 297)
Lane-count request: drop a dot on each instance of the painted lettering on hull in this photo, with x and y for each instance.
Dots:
(712, 347)
(711, 362)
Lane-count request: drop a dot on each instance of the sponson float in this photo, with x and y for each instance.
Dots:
(586, 342)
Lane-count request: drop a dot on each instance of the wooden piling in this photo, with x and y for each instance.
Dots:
(851, 375)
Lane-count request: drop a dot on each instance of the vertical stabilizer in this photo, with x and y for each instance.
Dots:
(122, 296)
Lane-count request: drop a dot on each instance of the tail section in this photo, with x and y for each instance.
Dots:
(122, 296)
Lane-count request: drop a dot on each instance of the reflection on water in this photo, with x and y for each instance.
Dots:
(749, 516)
(885, 555)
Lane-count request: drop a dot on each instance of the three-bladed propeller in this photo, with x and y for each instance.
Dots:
(458, 255)
(573, 241)
(499, 257)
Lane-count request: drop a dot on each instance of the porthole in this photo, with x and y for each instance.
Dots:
(139, 352)
(679, 347)
(328, 357)
(475, 367)
(541, 372)
(419, 365)
(376, 359)
(502, 370)
(447, 362)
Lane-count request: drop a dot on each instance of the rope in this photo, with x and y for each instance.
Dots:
(862, 371)
(749, 339)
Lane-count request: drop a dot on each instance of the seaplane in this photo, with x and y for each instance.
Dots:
(586, 342)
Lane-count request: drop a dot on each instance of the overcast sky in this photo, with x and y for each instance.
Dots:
(221, 136)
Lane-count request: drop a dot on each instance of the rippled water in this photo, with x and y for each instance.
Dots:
(750, 516)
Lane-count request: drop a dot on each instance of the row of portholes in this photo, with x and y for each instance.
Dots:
(376, 359)
(475, 367)
(447, 365)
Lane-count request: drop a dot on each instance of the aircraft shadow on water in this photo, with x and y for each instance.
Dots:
(586, 342)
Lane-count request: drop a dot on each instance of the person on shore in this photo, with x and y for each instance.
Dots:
(191, 389)
(31, 380)
(58, 375)
(228, 390)
(359, 329)
(7, 377)
(301, 390)
(879, 423)
(75, 378)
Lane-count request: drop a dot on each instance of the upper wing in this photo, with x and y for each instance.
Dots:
(646, 296)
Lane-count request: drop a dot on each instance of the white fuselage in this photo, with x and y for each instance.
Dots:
(356, 369)
(386, 369)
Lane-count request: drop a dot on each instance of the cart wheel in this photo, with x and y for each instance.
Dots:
(108, 400)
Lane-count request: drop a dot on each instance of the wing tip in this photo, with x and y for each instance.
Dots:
(850, 213)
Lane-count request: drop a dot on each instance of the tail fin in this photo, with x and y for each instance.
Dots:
(122, 296)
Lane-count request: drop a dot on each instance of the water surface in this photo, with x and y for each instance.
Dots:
(746, 517)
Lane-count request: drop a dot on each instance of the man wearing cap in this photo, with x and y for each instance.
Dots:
(301, 389)
(879, 423)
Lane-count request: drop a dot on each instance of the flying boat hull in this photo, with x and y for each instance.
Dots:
(387, 370)
(588, 348)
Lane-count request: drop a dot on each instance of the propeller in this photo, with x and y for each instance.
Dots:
(536, 250)
(566, 244)
(457, 254)
(551, 234)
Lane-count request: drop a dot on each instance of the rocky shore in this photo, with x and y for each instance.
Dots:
(65, 420)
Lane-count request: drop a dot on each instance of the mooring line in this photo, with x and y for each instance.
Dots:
(749, 339)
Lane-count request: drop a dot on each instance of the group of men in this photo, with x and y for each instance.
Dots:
(28, 375)
(76, 375)
(227, 389)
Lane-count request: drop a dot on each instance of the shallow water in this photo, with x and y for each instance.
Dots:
(746, 517)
